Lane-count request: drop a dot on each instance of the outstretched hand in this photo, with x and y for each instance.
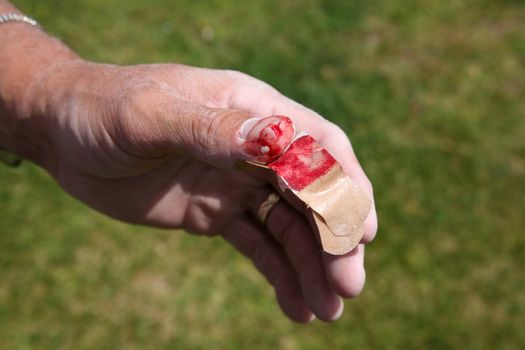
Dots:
(157, 145)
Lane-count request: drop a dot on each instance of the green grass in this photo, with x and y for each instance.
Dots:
(432, 94)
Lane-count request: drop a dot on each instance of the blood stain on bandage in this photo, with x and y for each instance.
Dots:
(303, 162)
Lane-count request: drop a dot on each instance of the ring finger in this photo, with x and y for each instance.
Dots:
(292, 231)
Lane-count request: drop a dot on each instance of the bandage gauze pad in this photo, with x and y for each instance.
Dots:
(338, 207)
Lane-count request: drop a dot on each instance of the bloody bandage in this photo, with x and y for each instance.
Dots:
(338, 207)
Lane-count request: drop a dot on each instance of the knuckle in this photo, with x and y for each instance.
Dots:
(140, 109)
(233, 80)
(259, 254)
(280, 225)
(138, 113)
(263, 260)
(241, 85)
(226, 83)
(207, 129)
(293, 236)
(306, 262)
(236, 75)
(201, 133)
(137, 100)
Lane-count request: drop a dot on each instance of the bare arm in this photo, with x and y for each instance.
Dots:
(27, 53)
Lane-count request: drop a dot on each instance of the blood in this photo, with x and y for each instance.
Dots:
(269, 138)
(276, 128)
(302, 163)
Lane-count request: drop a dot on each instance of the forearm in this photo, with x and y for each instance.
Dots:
(27, 54)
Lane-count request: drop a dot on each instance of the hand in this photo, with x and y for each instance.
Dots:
(157, 144)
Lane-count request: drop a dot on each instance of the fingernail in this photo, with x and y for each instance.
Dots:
(265, 139)
(339, 312)
(246, 127)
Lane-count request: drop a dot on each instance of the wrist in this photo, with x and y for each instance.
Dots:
(26, 57)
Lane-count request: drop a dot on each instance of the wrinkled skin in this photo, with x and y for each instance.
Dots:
(157, 145)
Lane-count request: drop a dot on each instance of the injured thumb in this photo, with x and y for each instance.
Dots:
(223, 137)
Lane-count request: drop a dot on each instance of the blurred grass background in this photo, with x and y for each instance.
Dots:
(432, 94)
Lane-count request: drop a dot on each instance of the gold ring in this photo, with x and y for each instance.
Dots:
(266, 207)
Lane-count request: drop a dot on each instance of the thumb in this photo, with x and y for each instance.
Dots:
(223, 136)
